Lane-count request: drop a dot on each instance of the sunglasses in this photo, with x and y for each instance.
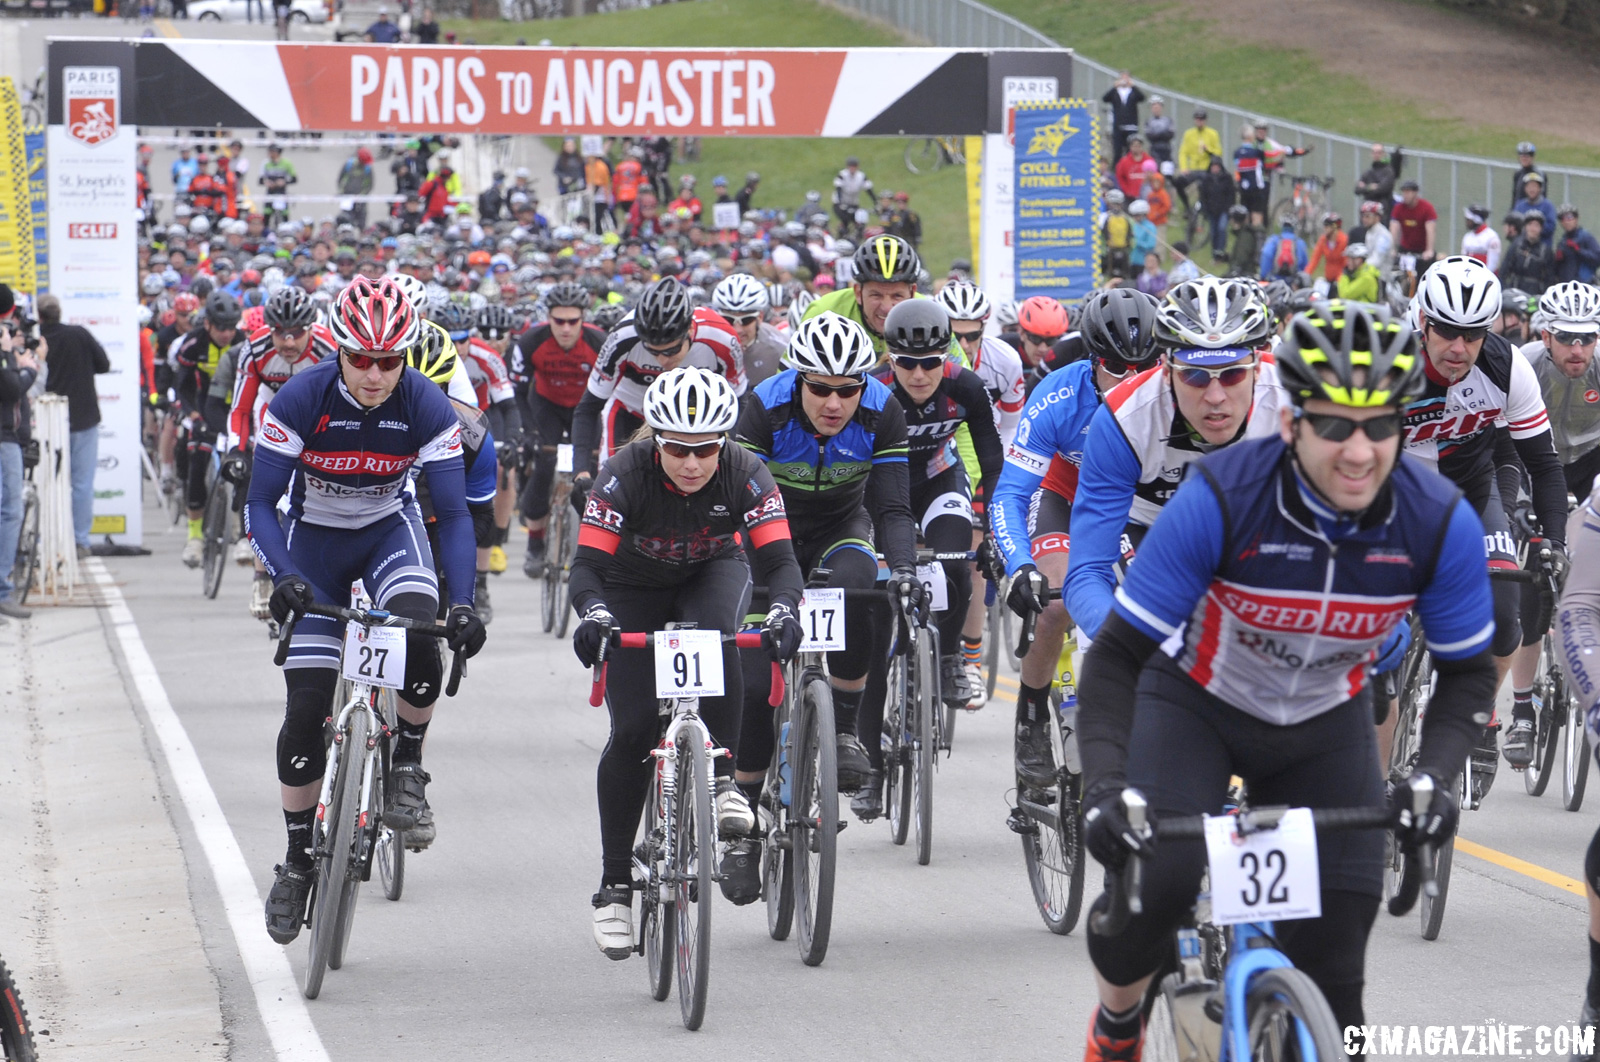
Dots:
(740, 322)
(1200, 379)
(566, 322)
(967, 337)
(290, 333)
(385, 362)
(1449, 334)
(669, 351)
(1039, 341)
(931, 363)
(822, 390)
(1334, 428)
(1575, 339)
(1116, 367)
(681, 450)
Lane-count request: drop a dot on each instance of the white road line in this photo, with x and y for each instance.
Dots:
(278, 998)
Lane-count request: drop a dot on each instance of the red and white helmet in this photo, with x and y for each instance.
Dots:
(374, 315)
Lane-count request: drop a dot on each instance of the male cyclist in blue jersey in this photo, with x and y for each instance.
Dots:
(1033, 501)
(340, 440)
(1272, 577)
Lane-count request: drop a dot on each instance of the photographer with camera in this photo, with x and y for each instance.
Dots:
(20, 358)
(77, 357)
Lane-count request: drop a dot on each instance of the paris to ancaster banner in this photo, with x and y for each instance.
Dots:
(94, 271)
(1056, 234)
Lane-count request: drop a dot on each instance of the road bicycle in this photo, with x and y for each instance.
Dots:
(16, 1035)
(914, 721)
(1305, 206)
(219, 524)
(1233, 994)
(944, 719)
(1049, 819)
(25, 568)
(1558, 726)
(33, 102)
(560, 545)
(932, 153)
(349, 832)
(675, 862)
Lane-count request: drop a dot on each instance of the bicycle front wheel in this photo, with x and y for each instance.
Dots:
(358, 837)
(16, 1037)
(333, 849)
(1289, 1019)
(897, 749)
(569, 546)
(814, 819)
(1432, 908)
(991, 651)
(26, 568)
(924, 155)
(1549, 691)
(694, 879)
(657, 926)
(923, 746)
(215, 533)
(391, 846)
(1575, 765)
(777, 876)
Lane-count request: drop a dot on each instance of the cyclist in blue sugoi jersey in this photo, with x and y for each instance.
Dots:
(1276, 571)
(340, 440)
(1033, 501)
(1215, 387)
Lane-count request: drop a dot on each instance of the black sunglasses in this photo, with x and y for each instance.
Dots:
(1048, 341)
(967, 337)
(1450, 334)
(1575, 339)
(910, 362)
(681, 450)
(1334, 428)
(822, 390)
(667, 351)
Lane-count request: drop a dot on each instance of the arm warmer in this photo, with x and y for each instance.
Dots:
(1538, 455)
(586, 432)
(1106, 701)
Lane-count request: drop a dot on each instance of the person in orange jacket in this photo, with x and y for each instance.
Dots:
(625, 182)
(1159, 198)
(1329, 250)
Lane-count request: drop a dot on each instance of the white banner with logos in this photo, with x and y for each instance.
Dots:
(94, 272)
(996, 256)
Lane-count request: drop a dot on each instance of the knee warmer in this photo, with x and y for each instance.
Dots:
(302, 748)
(1591, 863)
(482, 524)
(424, 671)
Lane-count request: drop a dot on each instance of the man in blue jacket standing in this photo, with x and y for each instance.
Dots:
(1577, 251)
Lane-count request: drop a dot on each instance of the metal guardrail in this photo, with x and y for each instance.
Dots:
(1450, 182)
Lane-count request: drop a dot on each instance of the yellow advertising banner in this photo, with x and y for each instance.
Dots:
(16, 214)
(975, 196)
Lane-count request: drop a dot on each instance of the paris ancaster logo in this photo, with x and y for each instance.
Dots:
(93, 96)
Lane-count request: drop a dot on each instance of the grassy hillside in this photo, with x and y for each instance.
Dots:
(788, 166)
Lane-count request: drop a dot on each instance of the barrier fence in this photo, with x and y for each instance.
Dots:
(58, 550)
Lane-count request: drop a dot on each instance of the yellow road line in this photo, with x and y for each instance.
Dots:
(165, 27)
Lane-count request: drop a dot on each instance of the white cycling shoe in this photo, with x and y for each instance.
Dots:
(613, 922)
(242, 553)
(734, 818)
(980, 689)
(193, 552)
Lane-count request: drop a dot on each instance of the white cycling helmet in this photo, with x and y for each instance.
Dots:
(1571, 307)
(415, 291)
(1460, 292)
(778, 296)
(1007, 315)
(691, 400)
(1210, 313)
(963, 302)
(830, 345)
(797, 308)
(739, 295)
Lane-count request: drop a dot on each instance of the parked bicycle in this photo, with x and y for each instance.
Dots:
(25, 568)
(930, 154)
(1305, 205)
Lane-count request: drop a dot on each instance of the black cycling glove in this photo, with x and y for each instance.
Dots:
(292, 594)
(1109, 836)
(1437, 819)
(594, 628)
(466, 631)
(1028, 588)
(782, 633)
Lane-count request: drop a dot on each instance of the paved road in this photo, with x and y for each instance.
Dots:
(489, 954)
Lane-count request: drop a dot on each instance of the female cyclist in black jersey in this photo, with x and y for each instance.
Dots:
(664, 537)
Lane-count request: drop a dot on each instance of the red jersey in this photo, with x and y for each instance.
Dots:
(558, 376)
(487, 371)
(1413, 224)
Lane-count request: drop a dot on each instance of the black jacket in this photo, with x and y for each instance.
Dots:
(75, 358)
(1529, 265)
(14, 384)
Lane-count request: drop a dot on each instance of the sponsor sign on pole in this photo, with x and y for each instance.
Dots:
(999, 206)
(16, 220)
(1056, 235)
(39, 203)
(94, 271)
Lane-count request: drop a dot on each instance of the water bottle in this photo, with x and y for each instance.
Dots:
(783, 764)
(1067, 681)
(1199, 1035)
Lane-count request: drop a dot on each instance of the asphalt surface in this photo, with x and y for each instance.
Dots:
(488, 954)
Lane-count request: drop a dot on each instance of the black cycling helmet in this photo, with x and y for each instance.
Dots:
(917, 326)
(453, 317)
(1119, 328)
(1278, 295)
(494, 322)
(887, 260)
(222, 310)
(664, 313)
(290, 307)
(606, 317)
(1514, 301)
(568, 294)
(1352, 354)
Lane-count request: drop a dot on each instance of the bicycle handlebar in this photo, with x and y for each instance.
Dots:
(373, 617)
(642, 640)
(1025, 636)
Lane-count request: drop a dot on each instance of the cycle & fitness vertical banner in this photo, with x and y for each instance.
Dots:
(94, 270)
(1056, 232)
(997, 208)
(39, 201)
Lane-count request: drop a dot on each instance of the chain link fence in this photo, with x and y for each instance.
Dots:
(1450, 182)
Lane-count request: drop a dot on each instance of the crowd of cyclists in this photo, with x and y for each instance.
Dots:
(1296, 475)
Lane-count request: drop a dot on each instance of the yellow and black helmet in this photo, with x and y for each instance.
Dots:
(886, 260)
(1351, 354)
(433, 355)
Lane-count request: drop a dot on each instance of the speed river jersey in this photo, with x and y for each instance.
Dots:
(626, 369)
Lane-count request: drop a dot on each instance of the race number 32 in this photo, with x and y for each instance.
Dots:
(688, 664)
(1267, 876)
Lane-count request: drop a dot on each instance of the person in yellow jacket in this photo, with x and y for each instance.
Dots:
(1199, 145)
(1360, 281)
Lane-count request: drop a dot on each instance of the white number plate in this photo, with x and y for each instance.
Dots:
(689, 664)
(375, 655)
(822, 617)
(563, 457)
(932, 576)
(1268, 876)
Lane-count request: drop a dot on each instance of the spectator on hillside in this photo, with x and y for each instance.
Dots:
(1533, 201)
(492, 204)
(1123, 98)
(752, 181)
(597, 174)
(1373, 232)
(848, 188)
(1117, 235)
(1160, 200)
(569, 169)
(1525, 154)
(1130, 167)
(1274, 154)
(1510, 229)
(383, 31)
(1377, 183)
(1529, 264)
(1145, 237)
(184, 169)
(1151, 280)
(1159, 130)
(1480, 241)
(626, 180)
(686, 199)
(1244, 258)
(1284, 256)
(355, 178)
(1200, 144)
(1414, 223)
(76, 357)
(658, 164)
(1577, 253)
(407, 169)
(1360, 281)
(426, 29)
(1217, 195)
(1327, 254)
(905, 222)
(1183, 268)
(1249, 169)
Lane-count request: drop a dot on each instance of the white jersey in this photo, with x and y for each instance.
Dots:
(1000, 367)
(1484, 245)
(625, 368)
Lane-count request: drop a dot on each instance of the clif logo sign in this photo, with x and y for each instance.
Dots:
(93, 96)
(92, 230)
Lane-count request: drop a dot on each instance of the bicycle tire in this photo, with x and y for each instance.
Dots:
(214, 531)
(569, 547)
(16, 1036)
(777, 878)
(896, 777)
(26, 567)
(814, 833)
(332, 863)
(1432, 908)
(359, 839)
(1165, 1039)
(658, 936)
(1548, 691)
(991, 651)
(924, 748)
(1008, 620)
(550, 581)
(1054, 857)
(694, 861)
(1575, 762)
(947, 727)
(1403, 749)
(1280, 998)
(390, 852)
(923, 155)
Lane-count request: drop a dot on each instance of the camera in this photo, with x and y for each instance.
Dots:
(28, 329)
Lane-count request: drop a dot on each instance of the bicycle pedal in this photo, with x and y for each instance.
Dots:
(1019, 823)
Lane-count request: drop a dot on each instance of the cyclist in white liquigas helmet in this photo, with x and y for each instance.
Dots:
(1474, 380)
(999, 365)
(743, 301)
(665, 535)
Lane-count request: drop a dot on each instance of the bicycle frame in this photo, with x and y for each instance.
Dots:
(363, 697)
(685, 717)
